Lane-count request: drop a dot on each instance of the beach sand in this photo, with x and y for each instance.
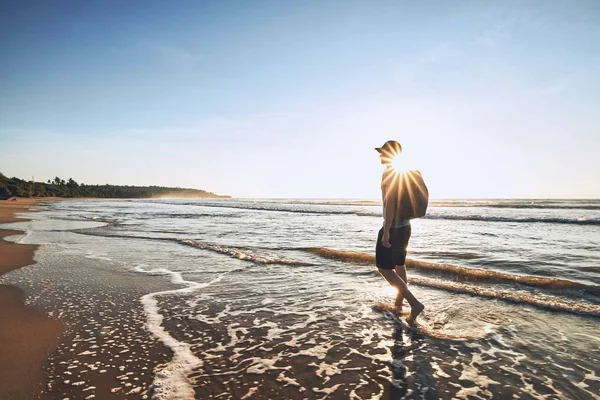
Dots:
(71, 326)
(27, 335)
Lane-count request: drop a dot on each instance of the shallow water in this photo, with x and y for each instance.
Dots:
(280, 298)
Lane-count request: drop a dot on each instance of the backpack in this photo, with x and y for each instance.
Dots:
(409, 191)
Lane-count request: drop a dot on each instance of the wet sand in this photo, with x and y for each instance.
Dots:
(106, 351)
(71, 326)
(27, 335)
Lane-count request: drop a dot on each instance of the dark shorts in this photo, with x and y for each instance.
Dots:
(396, 255)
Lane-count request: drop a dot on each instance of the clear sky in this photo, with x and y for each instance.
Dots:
(289, 98)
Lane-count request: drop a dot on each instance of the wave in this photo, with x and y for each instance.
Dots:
(543, 204)
(463, 275)
(292, 209)
(458, 271)
(521, 204)
(539, 300)
(184, 216)
(241, 253)
(257, 257)
(464, 255)
(95, 232)
(319, 209)
(536, 299)
(267, 206)
(355, 257)
(549, 220)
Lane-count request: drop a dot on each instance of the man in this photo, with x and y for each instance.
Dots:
(392, 241)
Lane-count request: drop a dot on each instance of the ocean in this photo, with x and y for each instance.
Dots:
(280, 298)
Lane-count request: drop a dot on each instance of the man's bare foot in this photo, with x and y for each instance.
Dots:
(414, 312)
(398, 305)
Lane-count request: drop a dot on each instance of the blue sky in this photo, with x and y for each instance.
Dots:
(289, 98)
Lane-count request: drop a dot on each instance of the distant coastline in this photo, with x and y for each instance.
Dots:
(15, 187)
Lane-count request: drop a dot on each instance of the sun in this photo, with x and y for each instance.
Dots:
(398, 164)
(402, 163)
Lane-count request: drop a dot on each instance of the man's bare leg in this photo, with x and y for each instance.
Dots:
(401, 271)
(416, 307)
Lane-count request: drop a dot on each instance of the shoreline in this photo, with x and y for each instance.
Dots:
(27, 336)
(74, 328)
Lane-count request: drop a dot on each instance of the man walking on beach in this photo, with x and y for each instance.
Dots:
(392, 241)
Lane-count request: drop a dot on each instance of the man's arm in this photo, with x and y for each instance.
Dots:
(388, 218)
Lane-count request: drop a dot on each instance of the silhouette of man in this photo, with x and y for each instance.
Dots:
(392, 241)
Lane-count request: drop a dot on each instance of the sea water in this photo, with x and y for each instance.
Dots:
(281, 299)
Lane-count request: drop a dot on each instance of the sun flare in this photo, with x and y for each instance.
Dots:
(391, 291)
(400, 164)
(397, 164)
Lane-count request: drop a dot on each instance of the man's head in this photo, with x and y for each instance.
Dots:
(388, 151)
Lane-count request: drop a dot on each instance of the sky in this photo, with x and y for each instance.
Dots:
(289, 98)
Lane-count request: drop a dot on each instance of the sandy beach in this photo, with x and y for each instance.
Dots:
(72, 327)
(27, 335)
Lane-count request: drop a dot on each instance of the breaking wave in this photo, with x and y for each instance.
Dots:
(327, 209)
(457, 271)
(255, 256)
(549, 220)
(540, 300)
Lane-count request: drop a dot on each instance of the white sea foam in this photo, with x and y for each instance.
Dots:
(97, 257)
(326, 370)
(327, 391)
(21, 239)
(251, 391)
(171, 381)
(319, 351)
(255, 256)
(261, 365)
(286, 380)
(18, 238)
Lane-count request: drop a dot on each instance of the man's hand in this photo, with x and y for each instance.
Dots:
(385, 240)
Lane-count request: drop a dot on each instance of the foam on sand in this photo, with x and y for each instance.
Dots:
(171, 381)
(436, 324)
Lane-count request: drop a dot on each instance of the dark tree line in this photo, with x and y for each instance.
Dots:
(60, 188)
